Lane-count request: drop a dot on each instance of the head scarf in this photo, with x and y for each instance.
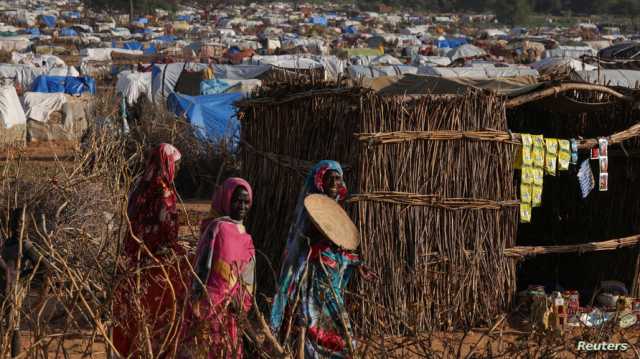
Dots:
(158, 175)
(313, 183)
(221, 203)
(162, 163)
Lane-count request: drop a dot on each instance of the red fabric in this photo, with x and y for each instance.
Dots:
(318, 181)
(329, 340)
(154, 221)
(152, 204)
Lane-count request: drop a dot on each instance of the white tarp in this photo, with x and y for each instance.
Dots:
(375, 60)
(574, 52)
(484, 72)
(356, 71)
(104, 54)
(420, 60)
(286, 61)
(30, 58)
(22, 75)
(133, 85)
(334, 67)
(16, 43)
(465, 51)
(557, 64)
(38, 106)
(11, 112)
(622, 78)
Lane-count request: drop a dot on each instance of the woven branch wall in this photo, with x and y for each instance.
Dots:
(281, 142)
(440, 264)
(439, 267)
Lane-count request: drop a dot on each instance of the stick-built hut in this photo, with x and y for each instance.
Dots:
(435, 194)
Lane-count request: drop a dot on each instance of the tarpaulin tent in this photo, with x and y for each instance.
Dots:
(451, 42)
(132, 45)
(165, 38)
(165, 77)
(33, 31)
(11, 111)
(133, 85)
(214, 116)
(142, 20)
(67, 31)
(319, 20)
(465, 51)
(185, 18)
(48, 20)
(356, 71)
(69, 85)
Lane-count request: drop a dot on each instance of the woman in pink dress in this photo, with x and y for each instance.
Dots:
(223, 286)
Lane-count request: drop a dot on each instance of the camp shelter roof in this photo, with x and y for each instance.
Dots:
(375, 60)
(214, 116)
(133, 85)
(287, 61)
(465, 51)
(69, 85)
(570, 51)
(11, 111)
(165, 77)
(377, 71)
(421, 85)
(554, 64)
(609, 77)
(477, 72)
(624, 50)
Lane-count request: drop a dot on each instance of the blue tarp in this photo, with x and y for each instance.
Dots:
(185, 18)
(150, 50)
(166, 38)
(142, 20)
(49, 20)
(213, 87)
(67, 84)
(67, 31)
(72, 15)
(351, 29)
(132, 45)
(213, 115)
(34, 31)
(319, 20)
(452, 43)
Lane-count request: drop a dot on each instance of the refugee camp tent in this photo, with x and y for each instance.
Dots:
(422, 85)
(375, 60)
(38, 105)
(356, 72)
(214, 116)
(465, 51)
(484, 72)
(625, 50)
(574, 52)
(420, 60)
(219, 86)
(609, 77)
(11, 111)
(14, 43)
(133, 85)
(68, 85)
(286, 61)
(552, 65)
(21, 75)
(165, 77)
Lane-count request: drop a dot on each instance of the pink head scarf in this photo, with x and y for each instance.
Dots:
(222, 198)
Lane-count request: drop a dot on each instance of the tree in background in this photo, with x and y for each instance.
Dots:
(513, 12)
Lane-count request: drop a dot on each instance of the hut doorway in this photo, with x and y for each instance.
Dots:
(566, 218)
